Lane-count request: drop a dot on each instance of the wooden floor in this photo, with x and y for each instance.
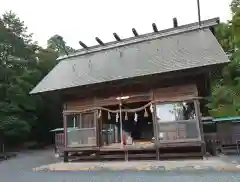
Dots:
(138, 150)
(114, 146)
(135, 146)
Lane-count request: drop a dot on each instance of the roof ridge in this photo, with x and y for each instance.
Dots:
(145, 37)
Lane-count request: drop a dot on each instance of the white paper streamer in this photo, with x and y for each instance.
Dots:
(135, 117)
(100, 114)
(117, 116)
(151, 108)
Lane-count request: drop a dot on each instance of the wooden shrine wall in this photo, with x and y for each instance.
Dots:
(173, 93)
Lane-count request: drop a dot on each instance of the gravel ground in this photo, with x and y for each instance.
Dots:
(213, 163)
(129, 177)
(19, 169)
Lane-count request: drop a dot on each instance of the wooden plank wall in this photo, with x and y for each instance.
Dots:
(174, 93)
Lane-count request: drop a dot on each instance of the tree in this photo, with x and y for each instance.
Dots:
(57, 44)
(225, 99)
(15, 54)
(22, 65)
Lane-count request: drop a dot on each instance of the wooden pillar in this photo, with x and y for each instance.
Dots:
(155, 124)
(65, 156)
(65, 130)
(154, 118)
(156, 132)
(99, 131)
(65, 153)
(157, 153)
(125, 154)
(155, 128)
(96, 121)
(200, 126)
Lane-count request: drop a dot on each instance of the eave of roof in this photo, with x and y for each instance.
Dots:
(62, 129)
(232, 119)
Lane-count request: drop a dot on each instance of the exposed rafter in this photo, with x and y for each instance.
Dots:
(149, 36)
(155, 29)
(175, 22)
(99, 41)
(116, 36)
(135, 32)
(83, 45)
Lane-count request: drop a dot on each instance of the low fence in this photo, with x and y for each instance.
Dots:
(219, 143)
(59, 140)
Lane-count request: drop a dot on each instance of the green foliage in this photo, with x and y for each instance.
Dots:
(235, 6)
(226, 90)
(14, 129)
(57, 44)
(22, 65)
(224, 36)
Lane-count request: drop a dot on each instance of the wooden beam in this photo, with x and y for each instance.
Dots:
(116, 36)
(155, 29)
(135, 32)
(175, 22)
(99, 41)
(83, 45)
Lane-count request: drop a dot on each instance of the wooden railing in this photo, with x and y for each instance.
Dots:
(59, 140)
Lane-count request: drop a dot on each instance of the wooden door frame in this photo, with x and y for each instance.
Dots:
(198, 121)
(65, 125)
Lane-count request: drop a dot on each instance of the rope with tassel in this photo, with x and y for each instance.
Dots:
(123, 110)
(115, 111)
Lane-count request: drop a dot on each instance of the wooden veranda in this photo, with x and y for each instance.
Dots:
(167, 137)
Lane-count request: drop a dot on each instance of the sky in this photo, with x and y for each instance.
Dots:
(86, 19)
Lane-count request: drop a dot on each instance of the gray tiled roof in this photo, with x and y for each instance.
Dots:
(190, 49)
